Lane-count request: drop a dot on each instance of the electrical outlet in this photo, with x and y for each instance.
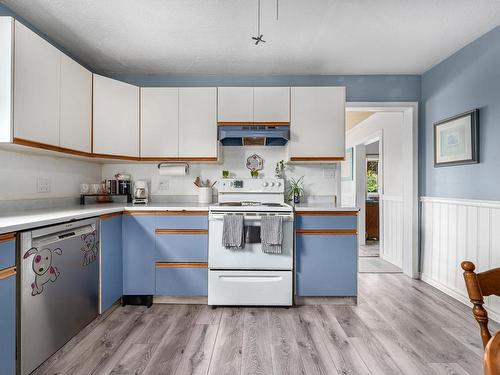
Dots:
(42, 185)
(328, 173)
(163, 185)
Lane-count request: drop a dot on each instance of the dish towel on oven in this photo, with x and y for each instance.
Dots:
(271, 234)
(232, 232)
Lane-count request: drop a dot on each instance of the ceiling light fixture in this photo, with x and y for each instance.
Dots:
(258, 39)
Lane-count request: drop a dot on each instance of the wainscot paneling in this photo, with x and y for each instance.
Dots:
(392, 229)
(454, 230)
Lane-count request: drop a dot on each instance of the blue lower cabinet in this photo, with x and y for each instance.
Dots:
(138, 254)
(181, 247)
(8, 325)
(181, 221)
(325, 221)
(182, 281)
(7, 251)
(326, 265)
(111, 261)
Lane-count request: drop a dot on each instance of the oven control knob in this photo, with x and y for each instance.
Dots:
(265, 184)
(278, 184)
(272, 184)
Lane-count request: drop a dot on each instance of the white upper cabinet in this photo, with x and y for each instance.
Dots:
(159, 122)
(235, 104)
(116, 118)
(37, 66)
(76, 106)
(271, 104)
(317, 129)
(198, 123)
(253, 104)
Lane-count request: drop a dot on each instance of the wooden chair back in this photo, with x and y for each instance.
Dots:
(481, 285)
(492, 356)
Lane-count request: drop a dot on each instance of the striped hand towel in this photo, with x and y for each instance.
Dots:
(271, 234)
(233, 232)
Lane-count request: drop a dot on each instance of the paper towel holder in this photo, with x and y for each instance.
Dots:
(176, 164)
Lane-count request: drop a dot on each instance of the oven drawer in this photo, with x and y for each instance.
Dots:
(251, 288)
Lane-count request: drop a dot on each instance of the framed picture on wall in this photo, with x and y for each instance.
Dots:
(456, 140)
(346, 167)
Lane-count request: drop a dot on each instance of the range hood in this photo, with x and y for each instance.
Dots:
(254, 135)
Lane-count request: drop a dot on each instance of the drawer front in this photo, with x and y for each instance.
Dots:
(326, 222)
(8, 325)
(327, 265)
(181, 221)
(250, 288)
(181, 247)
(7, 252)
(181, 281)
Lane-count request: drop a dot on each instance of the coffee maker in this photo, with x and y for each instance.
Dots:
(140, 194)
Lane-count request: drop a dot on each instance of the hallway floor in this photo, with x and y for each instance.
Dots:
(369, 260)
(400, 326)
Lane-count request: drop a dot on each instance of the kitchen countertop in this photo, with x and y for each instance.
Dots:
(14, 221)
(323, 206)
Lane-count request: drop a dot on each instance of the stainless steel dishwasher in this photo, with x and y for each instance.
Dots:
(58, 286)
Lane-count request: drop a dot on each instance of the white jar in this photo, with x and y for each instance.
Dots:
(205, 195)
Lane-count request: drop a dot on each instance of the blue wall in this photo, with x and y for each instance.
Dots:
(384, 88)
(466, 80)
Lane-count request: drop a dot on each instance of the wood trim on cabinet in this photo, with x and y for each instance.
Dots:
(109, 216)
(326, 213)
(317, 158)
(159, 158)
(198, 158)
(118, 157)
(182, 213)
(181, 265)
(132, 213)
(181, 231)
(327, 232)
(262, 123)
(7, 272)
(7, 236)
(44, 146)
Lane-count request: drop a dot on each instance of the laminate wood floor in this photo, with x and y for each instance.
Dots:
(400, 326)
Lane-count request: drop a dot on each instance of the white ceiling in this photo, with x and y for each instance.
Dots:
(213, 36)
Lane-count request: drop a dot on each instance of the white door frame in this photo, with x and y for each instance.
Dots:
(410, 175)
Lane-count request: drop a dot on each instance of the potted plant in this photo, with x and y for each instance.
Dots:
(254, 173)
(295, 190)
(225, 174)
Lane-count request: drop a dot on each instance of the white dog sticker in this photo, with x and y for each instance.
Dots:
(90, 250)
(43, 268)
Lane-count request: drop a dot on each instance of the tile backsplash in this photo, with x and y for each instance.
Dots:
(319, 180)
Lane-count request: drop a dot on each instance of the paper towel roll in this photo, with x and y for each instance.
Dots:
(173, 169)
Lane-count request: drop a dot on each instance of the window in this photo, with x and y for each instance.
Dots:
(372, 175)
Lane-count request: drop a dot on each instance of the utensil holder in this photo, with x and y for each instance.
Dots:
(205, 195)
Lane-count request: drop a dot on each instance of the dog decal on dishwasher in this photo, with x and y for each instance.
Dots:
(90, 249)
(42, 265)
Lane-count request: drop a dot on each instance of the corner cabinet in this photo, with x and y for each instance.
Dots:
(8, 304)
(198, 124)
(115, 119)
(317, 129)
(111, 270)
(138, 253)
(326, 254)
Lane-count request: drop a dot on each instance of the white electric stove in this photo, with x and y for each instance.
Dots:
(249, 276)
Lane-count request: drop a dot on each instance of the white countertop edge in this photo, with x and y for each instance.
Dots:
(27, 219)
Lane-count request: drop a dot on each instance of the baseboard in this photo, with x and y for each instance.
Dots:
(493, 315)
(339, 301)
(176, 300)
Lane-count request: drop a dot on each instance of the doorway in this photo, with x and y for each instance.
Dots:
(384, 185)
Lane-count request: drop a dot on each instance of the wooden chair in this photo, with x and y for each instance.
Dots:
(481, 285)
(492, 356)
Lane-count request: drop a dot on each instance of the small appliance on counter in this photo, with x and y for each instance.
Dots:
(140, 195)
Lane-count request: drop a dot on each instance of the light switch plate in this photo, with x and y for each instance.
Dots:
(163, 185)
(43, 185)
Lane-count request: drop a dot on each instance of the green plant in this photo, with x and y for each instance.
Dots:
(295, 189)
(371, 182)
(280, 168)
(225, 174)
(254, 174)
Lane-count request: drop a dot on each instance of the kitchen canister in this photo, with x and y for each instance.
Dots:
(205, 195)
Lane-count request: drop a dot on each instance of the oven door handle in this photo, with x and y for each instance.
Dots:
(252, 218)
